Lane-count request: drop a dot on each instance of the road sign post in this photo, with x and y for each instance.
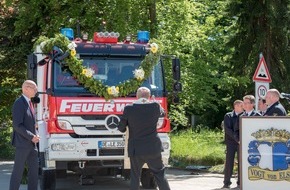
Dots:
(261, 89)
(262, 79)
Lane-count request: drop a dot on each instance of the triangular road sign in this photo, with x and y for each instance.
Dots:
(262, 73)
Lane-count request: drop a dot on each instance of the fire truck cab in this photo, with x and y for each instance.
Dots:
(78, 129)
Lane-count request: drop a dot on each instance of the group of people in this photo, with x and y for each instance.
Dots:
(144, 145)
(140, 118)
(269, 106)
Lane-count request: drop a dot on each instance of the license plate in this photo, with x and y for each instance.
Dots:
(111, 144)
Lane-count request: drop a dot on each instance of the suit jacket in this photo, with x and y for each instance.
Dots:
(23, 124)
(230, 122)
(276, 109)
(141, 120)
(262, 112)
(253, 113)
(237, 125)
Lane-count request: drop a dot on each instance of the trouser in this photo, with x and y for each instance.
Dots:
(231, 149)
(22, 156)
(156, 166)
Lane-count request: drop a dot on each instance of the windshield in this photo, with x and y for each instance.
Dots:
(110, 71)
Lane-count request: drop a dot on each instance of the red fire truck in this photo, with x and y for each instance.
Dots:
(78, 129)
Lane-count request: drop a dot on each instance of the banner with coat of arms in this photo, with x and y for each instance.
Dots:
(265, 153)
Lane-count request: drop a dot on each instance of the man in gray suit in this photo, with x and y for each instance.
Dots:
(25, 138)
(144, 145)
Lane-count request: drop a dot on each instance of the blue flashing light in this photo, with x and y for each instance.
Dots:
(68, 32)
(143, 36)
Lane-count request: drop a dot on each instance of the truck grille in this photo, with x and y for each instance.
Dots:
(92, 128)
(94, 117)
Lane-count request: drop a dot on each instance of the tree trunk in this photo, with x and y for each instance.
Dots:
(152, 15)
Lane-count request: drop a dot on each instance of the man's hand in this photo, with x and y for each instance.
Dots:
(35, 139)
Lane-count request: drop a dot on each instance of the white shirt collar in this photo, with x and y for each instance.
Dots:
(142, 101)
(249, 113)
(26, 98)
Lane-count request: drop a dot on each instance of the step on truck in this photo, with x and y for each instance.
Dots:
(78, 128)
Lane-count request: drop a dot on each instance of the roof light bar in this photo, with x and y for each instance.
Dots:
(106, 37)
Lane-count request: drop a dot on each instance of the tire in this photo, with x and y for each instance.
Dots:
(48, 180)
(148, 180)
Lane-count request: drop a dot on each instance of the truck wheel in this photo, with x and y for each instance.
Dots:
(48, 180)
(147, 180)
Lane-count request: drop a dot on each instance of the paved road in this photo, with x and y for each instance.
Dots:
(178, 180)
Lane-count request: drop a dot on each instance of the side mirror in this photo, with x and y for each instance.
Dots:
(31, 66)
(176, 69)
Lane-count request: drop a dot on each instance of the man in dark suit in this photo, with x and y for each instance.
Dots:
(262, 106)
(232, 145)
(248, 106)
(25, 138)
(275, 108)
(144, 145)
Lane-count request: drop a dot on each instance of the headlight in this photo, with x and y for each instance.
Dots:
(160, 122)
(63, 146)
(64, 125)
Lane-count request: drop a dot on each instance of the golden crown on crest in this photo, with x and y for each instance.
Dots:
(272, 135)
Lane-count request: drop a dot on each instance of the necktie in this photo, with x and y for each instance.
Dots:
(33, 113)
(31, 108)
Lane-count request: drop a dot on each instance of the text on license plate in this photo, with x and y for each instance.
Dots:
(111, 144)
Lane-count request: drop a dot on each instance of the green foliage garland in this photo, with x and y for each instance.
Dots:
(96, 86)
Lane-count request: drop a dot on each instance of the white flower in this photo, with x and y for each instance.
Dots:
(139, 74)
(154, 47)
(42, 44)
(88, 72)
(113, 90)
(72, 45)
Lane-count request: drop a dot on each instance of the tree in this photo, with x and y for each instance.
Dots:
(261, 27)
(218, 43)
(9, 76)
(196, 32)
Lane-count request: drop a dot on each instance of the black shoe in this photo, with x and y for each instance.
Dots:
(238, 187)
(226, 187)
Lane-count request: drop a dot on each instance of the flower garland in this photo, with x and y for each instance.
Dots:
(85, 75)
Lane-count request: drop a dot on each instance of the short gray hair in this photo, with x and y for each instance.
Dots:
(275, 93)
(143, 92)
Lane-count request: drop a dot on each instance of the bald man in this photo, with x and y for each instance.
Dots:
(275, 108)
(144, 144)
(24, 138)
